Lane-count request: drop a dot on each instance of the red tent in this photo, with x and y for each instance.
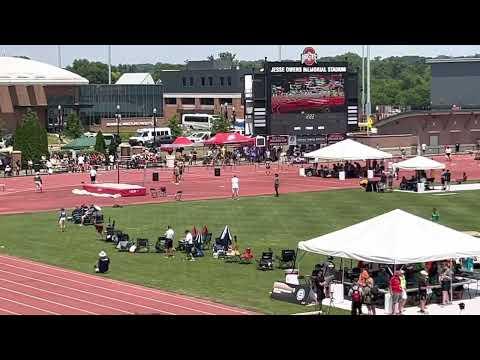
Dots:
(181, 140)
(229, 138)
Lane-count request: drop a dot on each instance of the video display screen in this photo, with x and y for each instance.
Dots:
(307, 93)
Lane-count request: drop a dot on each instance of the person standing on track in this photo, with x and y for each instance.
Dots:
(235, 187)
(62, 219)
(93, 175)
(448, 152)
(176, 174)
(276, 184)
(38, 182)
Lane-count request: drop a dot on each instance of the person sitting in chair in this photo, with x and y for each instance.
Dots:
(233, 250)
(87, 212)
(403, 183)
(103, 263)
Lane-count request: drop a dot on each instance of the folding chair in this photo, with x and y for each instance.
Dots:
(160, 245)
(163, 191)
(153, 192)
(143, 245)
(206, 241)
(287, 260)
(266, 261)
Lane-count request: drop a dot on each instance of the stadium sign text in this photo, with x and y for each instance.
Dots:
(305, 69)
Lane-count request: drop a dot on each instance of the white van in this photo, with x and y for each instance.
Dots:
(199, 136)
(146, 135)
(198, 121)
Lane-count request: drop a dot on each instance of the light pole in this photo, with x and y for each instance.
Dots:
(226, 110)
(119, 116)
(154, 127)
(59, 122)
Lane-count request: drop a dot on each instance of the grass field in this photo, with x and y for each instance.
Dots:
(258, 222)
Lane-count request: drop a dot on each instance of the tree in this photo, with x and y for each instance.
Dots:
(73, 129)
(100, 143)
(225, 60)
(220, 124)
(174, 125)
(31, 138)
(95, 71)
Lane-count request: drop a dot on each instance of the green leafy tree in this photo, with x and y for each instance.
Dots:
(100, 143)
(95, 71)
(220, 124)
(73, 129)
(31, 138)
(174, 125)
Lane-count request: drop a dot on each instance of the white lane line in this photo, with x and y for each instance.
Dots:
(69, 288)
(41, 299)
(193, 300)
(26, 305)
(103, 288)
(86, 292)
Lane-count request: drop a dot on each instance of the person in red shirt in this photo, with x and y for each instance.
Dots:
(396, 292)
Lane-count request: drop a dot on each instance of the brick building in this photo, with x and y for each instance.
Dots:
(31, 84)
(454, 115)
(205, 87)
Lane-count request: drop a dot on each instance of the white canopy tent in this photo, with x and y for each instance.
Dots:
(348, 150)
(419, 163)
(396, 237)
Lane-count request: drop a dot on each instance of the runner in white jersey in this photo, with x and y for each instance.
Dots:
(235, 187)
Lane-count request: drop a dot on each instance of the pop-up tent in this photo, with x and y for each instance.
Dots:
(179, 142)
(225, 238)
(229, 138)
(419, 163)
(396, 237)
(347, 150)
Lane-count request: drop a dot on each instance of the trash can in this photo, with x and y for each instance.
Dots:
(155, 176)
(217, 171)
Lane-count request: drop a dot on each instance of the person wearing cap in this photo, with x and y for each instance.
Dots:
(422, 291)
(103, 263)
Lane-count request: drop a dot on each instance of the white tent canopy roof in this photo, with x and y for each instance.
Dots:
(396, 237)
(135, 79)
(21, 71)
(348, 150)
(419, 163)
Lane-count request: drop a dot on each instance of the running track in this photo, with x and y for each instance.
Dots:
(30, 288)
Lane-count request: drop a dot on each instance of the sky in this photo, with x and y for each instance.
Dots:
(139, 54)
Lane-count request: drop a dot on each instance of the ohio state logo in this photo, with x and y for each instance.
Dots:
(309, 56)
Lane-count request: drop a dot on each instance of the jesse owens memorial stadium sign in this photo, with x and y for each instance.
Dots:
(308, 69)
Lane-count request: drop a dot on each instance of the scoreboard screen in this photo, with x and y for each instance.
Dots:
(307, 100)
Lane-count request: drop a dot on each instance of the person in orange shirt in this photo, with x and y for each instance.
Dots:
(364, 276)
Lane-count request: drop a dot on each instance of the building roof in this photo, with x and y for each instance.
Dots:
(135, 79)
(15, 70)
(451, 60)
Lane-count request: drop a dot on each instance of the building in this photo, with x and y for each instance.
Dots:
(454, 114)
(204, 87)
(53, 93)
(31, 84)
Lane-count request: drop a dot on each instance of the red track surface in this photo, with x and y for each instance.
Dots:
(29, 288)
(198, 183)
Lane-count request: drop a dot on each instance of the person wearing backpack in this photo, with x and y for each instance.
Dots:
(370, 293)
(356, 294)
